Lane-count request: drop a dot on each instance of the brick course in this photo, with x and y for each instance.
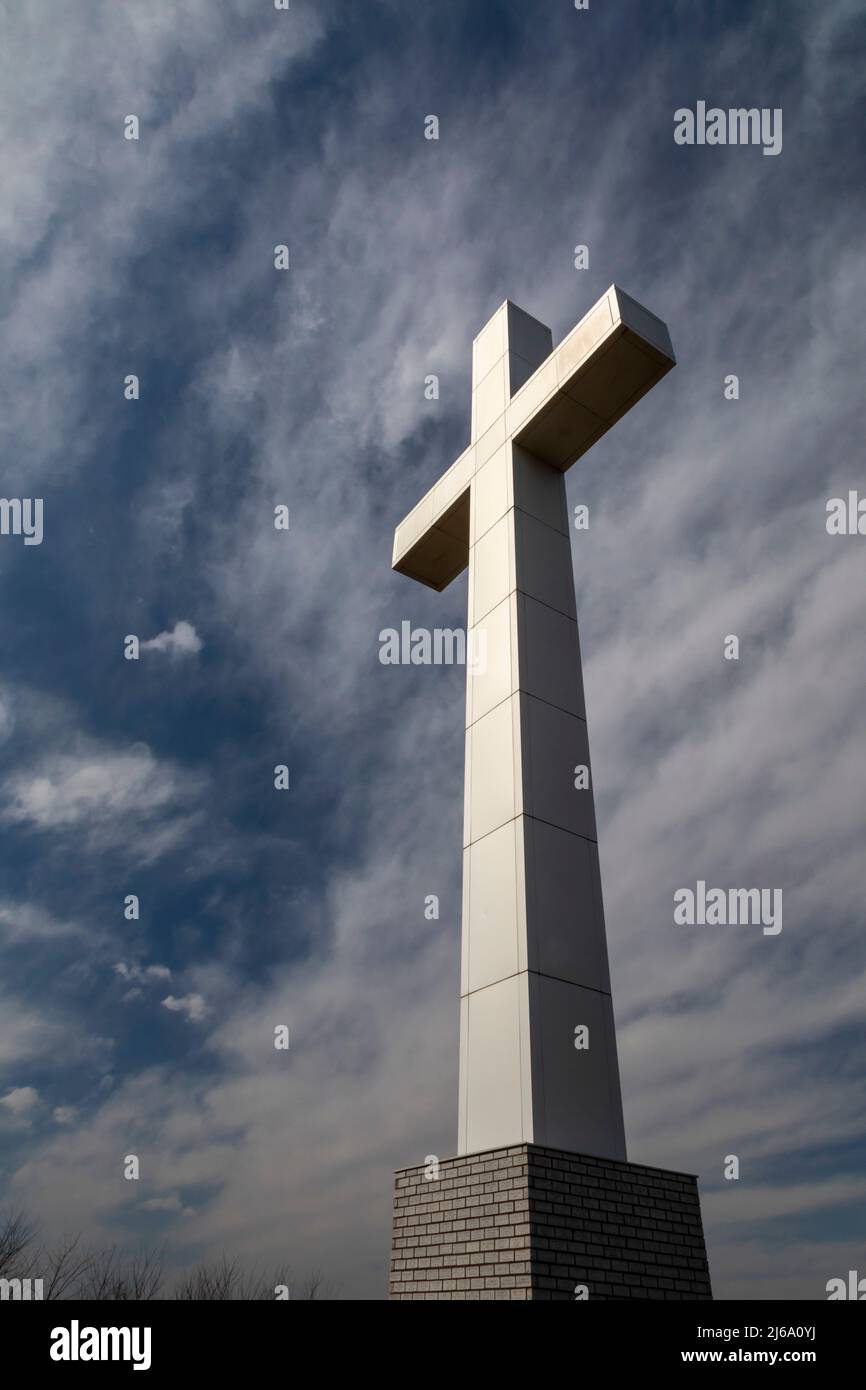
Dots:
(527, 1223)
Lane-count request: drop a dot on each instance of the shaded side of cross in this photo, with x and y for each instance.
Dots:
(538, 1057)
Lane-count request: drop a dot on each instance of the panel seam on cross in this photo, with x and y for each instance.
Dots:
(508, 353)
(525, 815)
(517, 590)
(521, 690)
(514, 507)
(542, 974)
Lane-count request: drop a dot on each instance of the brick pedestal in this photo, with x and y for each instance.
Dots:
(533, 1223)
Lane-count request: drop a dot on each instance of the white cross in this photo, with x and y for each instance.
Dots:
(534, 970)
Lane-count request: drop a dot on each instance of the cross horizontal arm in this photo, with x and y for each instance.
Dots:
(432, 543)
(617, 353)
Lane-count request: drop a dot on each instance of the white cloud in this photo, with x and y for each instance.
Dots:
(171, 1202)
(112, 798)
(20, 1100)
(29, 1033)
(182, 640)
(191, 1005)
(7, 718)
(70, 789)
(142, 974)
(22, 922)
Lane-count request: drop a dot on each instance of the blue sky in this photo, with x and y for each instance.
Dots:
(307, 388)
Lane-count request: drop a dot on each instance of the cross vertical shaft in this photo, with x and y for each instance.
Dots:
(534, 958)
(538, 1058)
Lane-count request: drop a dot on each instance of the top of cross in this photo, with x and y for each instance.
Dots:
(553, 403)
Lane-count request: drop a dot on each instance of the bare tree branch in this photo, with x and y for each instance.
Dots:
(17, 1233)
(69, 1271)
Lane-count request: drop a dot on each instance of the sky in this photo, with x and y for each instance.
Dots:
(305, 388)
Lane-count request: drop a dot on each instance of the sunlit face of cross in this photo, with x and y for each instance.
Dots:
(534, 975)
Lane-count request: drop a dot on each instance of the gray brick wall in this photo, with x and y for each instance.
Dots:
(531, 1223)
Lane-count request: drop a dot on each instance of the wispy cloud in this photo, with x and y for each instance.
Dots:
(706, 518)
(109, 798)
(142, 975)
